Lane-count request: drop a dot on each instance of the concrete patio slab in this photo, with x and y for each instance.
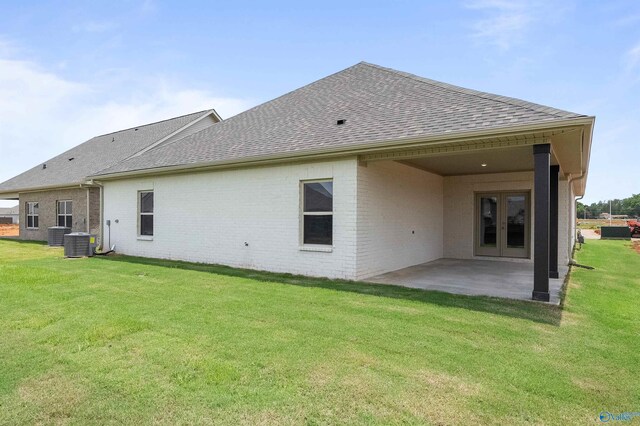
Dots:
(590, 234)
(511, 280)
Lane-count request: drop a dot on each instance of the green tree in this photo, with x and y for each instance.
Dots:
(629, 206)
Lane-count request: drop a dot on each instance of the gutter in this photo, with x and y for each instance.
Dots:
(392, 144)
(44, 188)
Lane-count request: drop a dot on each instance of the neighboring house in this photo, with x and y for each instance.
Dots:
(9, 215)
(57, 192)
(613, 216)
(363, 172)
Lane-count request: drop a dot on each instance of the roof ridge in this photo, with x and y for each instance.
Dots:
(291, 91)
(484, 95)
(210, 110)
(230, 119)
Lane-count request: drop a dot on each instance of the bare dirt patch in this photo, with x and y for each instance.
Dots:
(636, 246)
(12, 230)
(54, 395)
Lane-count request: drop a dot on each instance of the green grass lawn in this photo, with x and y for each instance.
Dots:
(126, 340)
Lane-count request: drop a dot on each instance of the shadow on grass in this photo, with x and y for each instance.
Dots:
(16, 240)
(537, 312)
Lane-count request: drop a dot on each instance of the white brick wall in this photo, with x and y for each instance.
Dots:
(399, 217)
(459, 207)
(386, 216)
(208, 217)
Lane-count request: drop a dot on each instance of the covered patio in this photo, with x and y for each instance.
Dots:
(507, 211)
(511, 280)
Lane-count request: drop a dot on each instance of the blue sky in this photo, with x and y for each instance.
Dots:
(69, 71)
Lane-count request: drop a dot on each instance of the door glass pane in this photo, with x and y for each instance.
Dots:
(488, 221)
(516, 221)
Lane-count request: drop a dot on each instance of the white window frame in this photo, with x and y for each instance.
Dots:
(65, 214)
(314, 247)
(140, 214)
(31, 207)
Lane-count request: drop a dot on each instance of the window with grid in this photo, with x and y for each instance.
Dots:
(32, 215)
(317, 212)
(145, 208)
(65, 213)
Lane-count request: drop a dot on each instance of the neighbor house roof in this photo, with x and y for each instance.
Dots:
(73, 166)
(9, 210)
(379, 105)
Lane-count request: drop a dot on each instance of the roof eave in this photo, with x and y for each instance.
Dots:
(353, 150)
(16, 192)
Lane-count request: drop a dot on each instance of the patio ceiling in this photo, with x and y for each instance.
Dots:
(504, 152)
(513, 159)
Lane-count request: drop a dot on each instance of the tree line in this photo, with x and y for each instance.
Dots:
(629, 206)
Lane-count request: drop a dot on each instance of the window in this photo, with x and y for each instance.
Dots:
(317, 212)
(65, 214)
(32, 215)
(145, 207)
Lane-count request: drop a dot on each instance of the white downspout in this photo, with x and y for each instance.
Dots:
(576, 199)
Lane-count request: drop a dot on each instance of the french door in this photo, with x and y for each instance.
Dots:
(502, 224)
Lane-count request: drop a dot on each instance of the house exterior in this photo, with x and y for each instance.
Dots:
(366, 171)
(608, 216)
(9, 215)
(57, 192)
